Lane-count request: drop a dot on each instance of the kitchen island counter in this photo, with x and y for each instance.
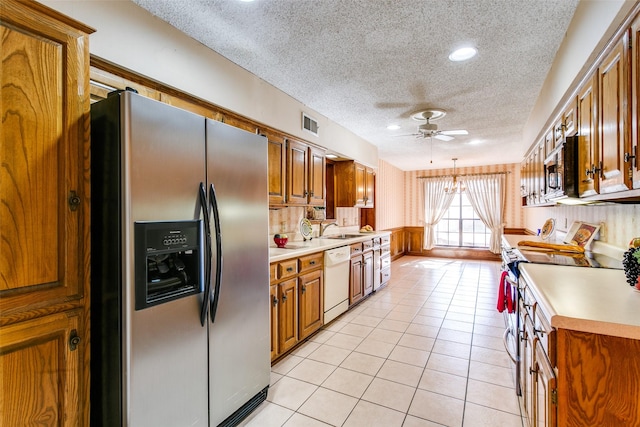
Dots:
(592, 300)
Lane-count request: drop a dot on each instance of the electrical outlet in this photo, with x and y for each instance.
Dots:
(565, 223)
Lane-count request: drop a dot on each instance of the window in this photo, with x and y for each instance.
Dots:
(461, 226)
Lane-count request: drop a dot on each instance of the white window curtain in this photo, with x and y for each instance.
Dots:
(436, 203)
(486, 194)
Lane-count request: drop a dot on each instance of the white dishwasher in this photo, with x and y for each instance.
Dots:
(336, 282)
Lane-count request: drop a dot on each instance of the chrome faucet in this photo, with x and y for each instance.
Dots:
(322, 229)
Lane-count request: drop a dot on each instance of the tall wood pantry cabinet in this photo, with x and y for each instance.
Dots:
(44, 217)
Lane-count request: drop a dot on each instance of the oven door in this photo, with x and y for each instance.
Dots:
(511, 336)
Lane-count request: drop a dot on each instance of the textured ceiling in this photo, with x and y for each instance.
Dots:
(366, 64)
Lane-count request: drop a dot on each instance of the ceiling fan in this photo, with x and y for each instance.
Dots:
(428, 129)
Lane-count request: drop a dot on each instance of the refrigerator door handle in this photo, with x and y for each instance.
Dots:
(207, 255)
(218, 275)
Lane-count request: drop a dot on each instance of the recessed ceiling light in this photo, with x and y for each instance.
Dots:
(475, 141)
(393, 127)
(462, 54)
(328, 156)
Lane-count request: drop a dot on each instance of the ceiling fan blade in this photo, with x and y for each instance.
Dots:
(408, 134)
(442, 137)
(455, 132)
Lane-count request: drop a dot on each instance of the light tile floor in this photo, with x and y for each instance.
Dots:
(426, 350)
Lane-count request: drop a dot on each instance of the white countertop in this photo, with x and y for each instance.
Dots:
(511, 240)
(317, 244)
(594, 300)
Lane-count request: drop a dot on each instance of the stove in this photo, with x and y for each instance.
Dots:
(587, 259)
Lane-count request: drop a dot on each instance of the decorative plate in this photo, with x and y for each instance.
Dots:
(305, 229)
(547, 228)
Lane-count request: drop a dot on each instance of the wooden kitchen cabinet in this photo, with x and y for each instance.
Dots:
(632, 157)
(367, 272)
(287, 315)
(42, 371)
(570, 118)
(297, 301)
(613, 135)
(597, 379)
(45, 216)
(277, 164)
(311, 294)
(544, 389)
(317, 177)
(311, 302)
(275, 336)
(587, 139)
(354, 185)
(305, 173)
(356, 287)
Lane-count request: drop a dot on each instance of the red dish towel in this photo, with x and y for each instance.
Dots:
(502, 292)
(511, 304)
(505, 296)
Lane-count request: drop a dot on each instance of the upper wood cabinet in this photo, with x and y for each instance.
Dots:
(44, 218)
(632, 157)
(305, 173)
(587, 139)
(317, 177)
(354, 185)
(45, 159)
(613, 131)
(277, 167)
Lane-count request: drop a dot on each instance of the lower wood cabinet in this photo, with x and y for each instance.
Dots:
(287, 315)
(310, 303)
(356, 291)
(362, 271)
(41, 363)
(297, 301)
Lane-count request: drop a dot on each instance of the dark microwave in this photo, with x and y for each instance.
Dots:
(561, 174)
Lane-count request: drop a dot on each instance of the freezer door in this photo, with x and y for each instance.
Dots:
(239, 344)
(165, 367)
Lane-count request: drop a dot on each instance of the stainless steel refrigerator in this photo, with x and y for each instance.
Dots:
(180, 267)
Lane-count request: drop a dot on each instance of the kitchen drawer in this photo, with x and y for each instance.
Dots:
(367, 245)
(288, 268)
(545, 333)
(310, 262)
(273, 272)
(376, 241)
(385, 262)
(385, 275)
(385, 240)
(527, 301)
(385, 250)
(356, 248)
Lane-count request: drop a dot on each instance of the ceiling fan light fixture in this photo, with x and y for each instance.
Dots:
(462, 54)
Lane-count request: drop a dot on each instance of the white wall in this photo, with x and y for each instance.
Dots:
(129, 36)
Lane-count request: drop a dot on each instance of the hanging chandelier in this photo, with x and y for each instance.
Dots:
(457, 186)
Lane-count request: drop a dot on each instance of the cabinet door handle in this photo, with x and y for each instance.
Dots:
(284, 299)
(289, 269)
(74, 340)
(274, 301)
(304, 288)
(312, 262)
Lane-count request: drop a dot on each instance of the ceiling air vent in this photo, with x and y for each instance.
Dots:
(309, 124)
